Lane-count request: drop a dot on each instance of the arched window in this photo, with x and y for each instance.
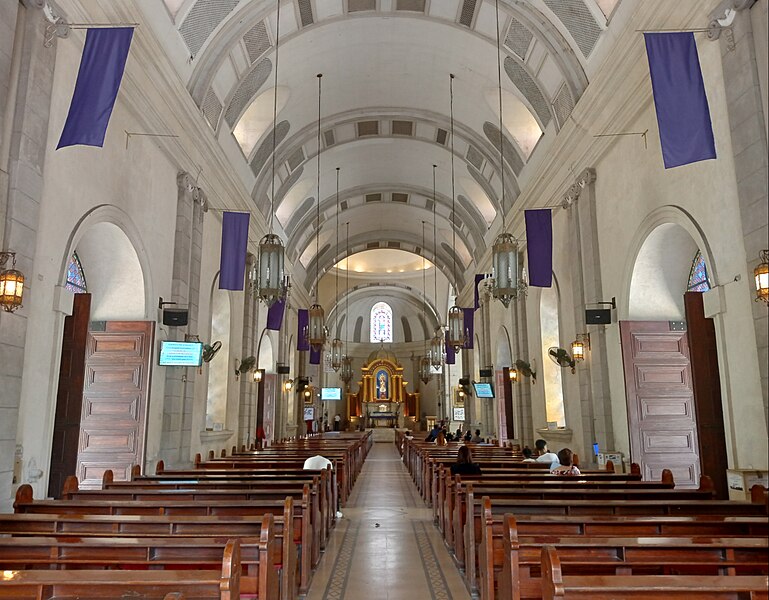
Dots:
(75, 276)
(381, 323)
(552, 373)
(698, 275)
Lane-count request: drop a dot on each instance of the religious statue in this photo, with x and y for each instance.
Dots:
(382, 385)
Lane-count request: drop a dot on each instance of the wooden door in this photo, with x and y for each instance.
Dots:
(505, 395)
(112, 423)
(661, 411)
(706, 382)
(69, 397)
(267, 405)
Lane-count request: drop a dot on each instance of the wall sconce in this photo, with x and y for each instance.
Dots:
(288, 384)
(580, 346)
(461, 393)
(761, 273)
(513, 375)
(11, 283)
(257, 375)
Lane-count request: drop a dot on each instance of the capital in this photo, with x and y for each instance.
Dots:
(575, 189)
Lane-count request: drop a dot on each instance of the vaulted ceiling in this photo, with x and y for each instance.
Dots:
(385, 113)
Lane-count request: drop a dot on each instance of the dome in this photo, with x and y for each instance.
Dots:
(383, 353)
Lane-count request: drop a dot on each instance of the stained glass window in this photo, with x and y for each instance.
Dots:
(381, 323)
(75, 276)
(698, 276)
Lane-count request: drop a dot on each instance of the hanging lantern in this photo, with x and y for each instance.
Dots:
(437, 354)
(346, 370)
(579, 346)
(337, 348)
(513, 375)
(761, 274)
(11, 284)
(505, 263)
(457, 335)
(316, 331)
(424, 369)
(270, 282)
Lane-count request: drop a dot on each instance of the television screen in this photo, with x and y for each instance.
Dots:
(180, 354)
(330, 393)
(483, 390)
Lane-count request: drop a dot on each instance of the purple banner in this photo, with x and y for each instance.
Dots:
(98, 81)
(303, 322)
(683, 114)
(275, 315)
(539, 242)
(451, 357)
(234, 246)
(315, 356)
(478, 278)
(469, 328)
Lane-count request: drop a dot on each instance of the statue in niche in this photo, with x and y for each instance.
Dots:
(382, 380)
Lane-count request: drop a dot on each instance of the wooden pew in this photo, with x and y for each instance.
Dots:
(260, 556)
(648, 587)
(511, 571)
(174, 517)
(223, 584)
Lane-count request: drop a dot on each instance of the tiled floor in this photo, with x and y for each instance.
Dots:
(386, 546)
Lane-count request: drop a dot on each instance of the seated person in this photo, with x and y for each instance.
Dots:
(465, 464)
(468, 436)
(477, 439)
(441, 439)
(566, 464)
(433, 434)
(543, 454)
(528, 455)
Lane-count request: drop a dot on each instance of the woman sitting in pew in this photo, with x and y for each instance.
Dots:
(565, 464)
(465, 464)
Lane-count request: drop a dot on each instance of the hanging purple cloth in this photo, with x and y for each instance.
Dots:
(451, 357)
(303, 322)
(98, 82)
(275, 315)
(478, 278)
(683, 114)
(234, 247)
(315, 356)
(539, 240)
(469, 327)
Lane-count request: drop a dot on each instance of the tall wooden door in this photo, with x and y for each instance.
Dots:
(112, 423)
(660, 400)
(69, 397)
(267, 405)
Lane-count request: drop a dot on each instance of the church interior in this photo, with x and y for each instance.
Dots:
(237, 234)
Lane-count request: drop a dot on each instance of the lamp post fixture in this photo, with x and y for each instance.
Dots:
(11, 283)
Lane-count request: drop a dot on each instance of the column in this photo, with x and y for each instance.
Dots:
(26, 81)
(587, 288)
(743, 64)
(185, 291)
(247, 406)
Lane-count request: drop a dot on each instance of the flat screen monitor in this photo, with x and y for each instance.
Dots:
(483, 390)
(180, 354)
(330, 393)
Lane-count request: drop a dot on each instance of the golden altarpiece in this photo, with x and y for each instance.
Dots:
(383, 399)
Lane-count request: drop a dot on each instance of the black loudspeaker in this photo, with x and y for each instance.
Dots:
(598, 316)
(283, 369)
(486, 372)
(175, 317)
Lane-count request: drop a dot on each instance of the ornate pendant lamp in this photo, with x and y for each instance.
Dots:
(270, 284)
(761, 276)
(11, 283)
(504, 252)
(437, 343)
(424, 362)
(457, 336)
(346, 371)
(337, 348)
(317, 331)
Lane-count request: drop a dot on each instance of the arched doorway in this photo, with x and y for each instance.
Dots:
(100, 417)
(675, 416)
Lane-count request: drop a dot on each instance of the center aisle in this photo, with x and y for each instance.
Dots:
(386, 546)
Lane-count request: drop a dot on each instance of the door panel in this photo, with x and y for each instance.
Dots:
(112, 420)
(661, 410)
(69, 396)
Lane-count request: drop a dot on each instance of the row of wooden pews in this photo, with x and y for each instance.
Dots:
(519, 532)
(248, 525)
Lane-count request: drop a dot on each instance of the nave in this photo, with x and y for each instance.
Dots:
(386, 546)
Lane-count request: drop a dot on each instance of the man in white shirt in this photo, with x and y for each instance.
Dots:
(543, 454)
